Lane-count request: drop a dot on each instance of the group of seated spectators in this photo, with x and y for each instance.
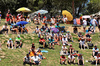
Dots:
(17, 44)
(34, 56)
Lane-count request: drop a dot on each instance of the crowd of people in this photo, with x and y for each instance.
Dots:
(52, 35)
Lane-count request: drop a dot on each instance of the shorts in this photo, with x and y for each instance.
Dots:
(17, 42)
(37, 62)
(84, 26)
(52, 43)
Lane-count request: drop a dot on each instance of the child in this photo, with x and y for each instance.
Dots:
(0, 46)
(75, 30)
(0, 16)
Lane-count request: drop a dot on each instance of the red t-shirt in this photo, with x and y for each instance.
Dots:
(63, 58)
(41, 40)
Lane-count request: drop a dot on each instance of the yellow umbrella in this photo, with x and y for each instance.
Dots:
(68, 15)
(23, 9)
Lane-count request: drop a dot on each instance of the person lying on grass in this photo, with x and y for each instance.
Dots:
(80, 59)
(36, 60)
(27, 60)
(95, 51)
(71, 59)
(63, 60)
(18, 42)
(10, 44)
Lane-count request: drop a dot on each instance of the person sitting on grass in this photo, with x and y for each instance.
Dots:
(10, 44)
(18, 42)
(64, 49)
(63, 60)
(0, 45)
(90, 29)
(88, 37)
(82, 43)
(69, 36)
(32, 47)
(40, 55)
(27, 60)
(15, 28)
(42, 41)
(64, 40)
(75, 30)
(20, 29)
(71, 49)
(37, 30)
(51, 42)
(57, 26)
(56, 39)
(95, 51)
(36, 59)
(80, 36)
(97, 58)
(31, 54)
(5, 28)
(80, 59)
(71, 59)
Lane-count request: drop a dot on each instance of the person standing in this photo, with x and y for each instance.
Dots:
(84, 24)
(94, 23)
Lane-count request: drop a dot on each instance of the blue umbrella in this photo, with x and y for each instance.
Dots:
(55, 30)
(22, 23)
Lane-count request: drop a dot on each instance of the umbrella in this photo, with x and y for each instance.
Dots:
(68, 15)
(86, 16)
(23, 9)
(22, 23)
(42, 11)
(55, 30)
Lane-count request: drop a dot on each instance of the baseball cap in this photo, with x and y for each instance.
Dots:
(10, 38)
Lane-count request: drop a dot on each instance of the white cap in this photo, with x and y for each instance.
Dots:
(18, 35)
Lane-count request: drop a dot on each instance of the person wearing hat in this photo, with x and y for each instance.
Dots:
(65, 40)
(88, 37)
(10, 43)
(42, 41)
(95, 51)
(90, 29)
(18, 42)
(71, 58)
(82, 43)
(63, 60)
(28, 19)
(27, 60)
(80, 59)
(69, 36)
(64, 49)
(0, 16)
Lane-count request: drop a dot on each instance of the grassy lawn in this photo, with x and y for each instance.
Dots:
(15, 57)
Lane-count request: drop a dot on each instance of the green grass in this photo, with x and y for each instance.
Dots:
(15, 57)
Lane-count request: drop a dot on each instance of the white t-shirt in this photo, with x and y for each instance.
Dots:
(64, 47)
(84, 22)
(28, 20)
(27, 59)
(68, 35)
(53, 20)
(99, 21)
(4, 27)
(65, 19)
(37, 29)
(71, 57)
(9, 42)
(64, 40)
(35, 58)
(93, 22)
